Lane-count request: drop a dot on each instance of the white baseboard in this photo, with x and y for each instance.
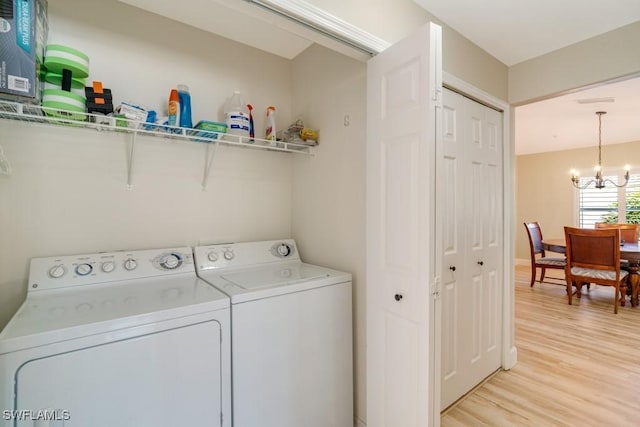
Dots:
(359, 423)
(512, 359)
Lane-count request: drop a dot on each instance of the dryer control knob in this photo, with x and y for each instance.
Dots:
(57, 271)
(213, 257)
(84, 269)
(108, 266)
(284, 250)
(228, 254)
(171, 261)
(130, 264)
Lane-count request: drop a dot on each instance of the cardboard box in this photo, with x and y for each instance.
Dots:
(23, 37)
(135, 113)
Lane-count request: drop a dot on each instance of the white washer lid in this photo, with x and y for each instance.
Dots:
(55, 315)
(272, 279)
(275, 275)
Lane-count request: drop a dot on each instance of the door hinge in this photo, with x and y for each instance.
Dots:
(435, 288)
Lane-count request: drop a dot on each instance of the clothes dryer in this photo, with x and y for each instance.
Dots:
(129, 338)
(291, 328)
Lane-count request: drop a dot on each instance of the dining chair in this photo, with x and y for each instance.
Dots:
(593, 256)
(539, 258)
(628, 232)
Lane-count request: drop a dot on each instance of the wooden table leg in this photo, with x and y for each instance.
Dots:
(634, 281)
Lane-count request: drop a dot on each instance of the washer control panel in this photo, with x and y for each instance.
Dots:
(229, 255)
(283, 250)
(170, 261)
(75, 270)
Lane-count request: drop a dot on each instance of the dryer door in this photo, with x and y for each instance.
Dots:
(170, 378)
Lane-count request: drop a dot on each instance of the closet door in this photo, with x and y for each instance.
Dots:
(403, 91)
(452, 197)
(471, 193)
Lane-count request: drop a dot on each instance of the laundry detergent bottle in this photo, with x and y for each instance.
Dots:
(237, 115)
(185, 106)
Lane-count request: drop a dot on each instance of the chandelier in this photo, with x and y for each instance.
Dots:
(598, 180)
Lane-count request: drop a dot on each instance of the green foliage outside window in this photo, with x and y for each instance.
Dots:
(632, 207)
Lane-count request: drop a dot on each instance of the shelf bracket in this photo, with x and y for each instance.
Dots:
(130, 161)
(56, 116)
(208, 161)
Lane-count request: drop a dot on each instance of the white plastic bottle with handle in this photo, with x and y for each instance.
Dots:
(237, 116)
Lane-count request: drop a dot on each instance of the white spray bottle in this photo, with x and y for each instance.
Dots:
(270, 133)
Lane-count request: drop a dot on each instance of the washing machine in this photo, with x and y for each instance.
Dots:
(291, 328)
(130, 338)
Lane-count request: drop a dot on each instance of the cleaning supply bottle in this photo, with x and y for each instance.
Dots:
(174, 109)
(185, 106)
(270, 133)
(252, 132)
(237, 117)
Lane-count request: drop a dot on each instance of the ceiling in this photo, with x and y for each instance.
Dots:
(514, 31)
(245, 23)
(511, 31)
(563, 123)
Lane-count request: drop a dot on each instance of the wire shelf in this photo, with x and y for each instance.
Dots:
(57, 117)
(54, 116)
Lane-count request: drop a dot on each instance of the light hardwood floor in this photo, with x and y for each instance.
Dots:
(577, 365)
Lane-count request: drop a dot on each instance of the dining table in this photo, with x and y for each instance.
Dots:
(628, 251)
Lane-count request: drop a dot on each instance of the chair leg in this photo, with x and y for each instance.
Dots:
(579, 289)
(544, 270)
(623, 293)
(533, 275)
(569, 290)
(615, 303)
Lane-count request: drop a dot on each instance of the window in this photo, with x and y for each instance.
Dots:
(610, 204)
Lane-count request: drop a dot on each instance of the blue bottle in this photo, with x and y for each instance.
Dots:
(185, 106)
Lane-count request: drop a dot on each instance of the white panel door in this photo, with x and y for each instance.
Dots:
(403, 91)
(470, 191)
(451, 214)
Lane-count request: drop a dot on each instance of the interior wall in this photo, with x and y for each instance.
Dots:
(141, 56)
(609, 56)
(68, 190)
(388, 20)
(544, 190)
(329, 189)
(394, 20)
(605, 57)
(475, 66)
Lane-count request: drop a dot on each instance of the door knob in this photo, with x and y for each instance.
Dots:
(480, 263)
(398, 297)
(452, 268)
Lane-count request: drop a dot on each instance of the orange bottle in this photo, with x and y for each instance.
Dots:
(174, 108)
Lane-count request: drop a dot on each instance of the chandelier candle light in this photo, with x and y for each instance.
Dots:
(598, 180)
